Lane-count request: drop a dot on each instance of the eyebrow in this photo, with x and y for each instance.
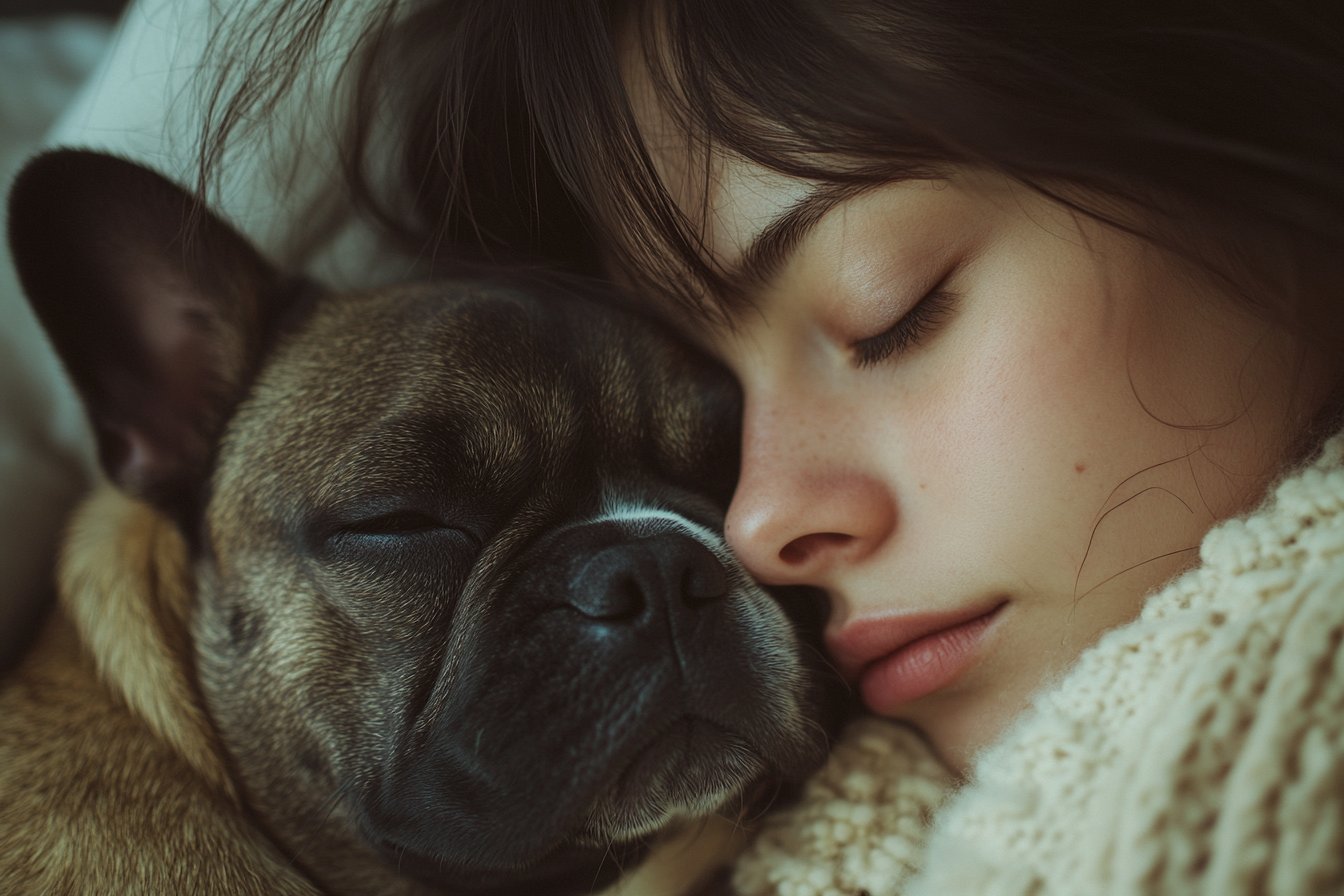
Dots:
(772, 247)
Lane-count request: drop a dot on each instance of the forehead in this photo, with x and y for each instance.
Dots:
(751, 221)
(745, 220)
(401, 387)
(726, 198)
(486, 393)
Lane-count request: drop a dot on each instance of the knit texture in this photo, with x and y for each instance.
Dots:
(1197, 750)
(861, 823)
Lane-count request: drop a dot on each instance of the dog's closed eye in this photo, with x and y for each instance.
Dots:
(463, 615)
(402, 522)
(397, 536)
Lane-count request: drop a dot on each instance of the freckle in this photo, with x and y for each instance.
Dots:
(1079, 467)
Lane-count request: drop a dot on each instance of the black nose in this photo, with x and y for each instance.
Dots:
(623, 581)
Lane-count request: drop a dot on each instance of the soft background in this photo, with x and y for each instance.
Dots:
(47, 49)
(139, 101)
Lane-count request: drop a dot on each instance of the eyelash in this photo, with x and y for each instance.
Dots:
(907, 332)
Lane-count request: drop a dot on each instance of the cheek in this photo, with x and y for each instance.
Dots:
(1029, 431)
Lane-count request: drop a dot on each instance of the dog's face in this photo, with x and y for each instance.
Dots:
(468, 607)
(466, 621)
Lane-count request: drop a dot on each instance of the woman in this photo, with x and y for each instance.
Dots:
(1025, 300)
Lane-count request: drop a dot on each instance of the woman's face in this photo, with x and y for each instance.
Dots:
(984, 426)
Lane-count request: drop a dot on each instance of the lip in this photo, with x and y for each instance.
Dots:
(899, 659)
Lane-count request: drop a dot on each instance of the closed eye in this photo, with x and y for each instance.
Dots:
(393, 530)
(402, 522)
(402, 537)
(913, 327)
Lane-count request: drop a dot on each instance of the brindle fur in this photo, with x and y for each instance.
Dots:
(113, 778)
(236, 680)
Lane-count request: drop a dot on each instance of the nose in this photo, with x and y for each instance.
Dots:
(807, 503)
(622, 581)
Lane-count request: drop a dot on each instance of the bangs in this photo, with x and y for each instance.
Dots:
(501, 130)
(1199, 129)
(733, 81)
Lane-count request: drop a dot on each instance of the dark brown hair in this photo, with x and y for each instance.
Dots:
(1211, 128)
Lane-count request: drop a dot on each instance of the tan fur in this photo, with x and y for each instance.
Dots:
(112, 778)
(124, 582)
(285, 705)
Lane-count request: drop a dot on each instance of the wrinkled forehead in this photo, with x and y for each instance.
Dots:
(485, 395)
(398, 386)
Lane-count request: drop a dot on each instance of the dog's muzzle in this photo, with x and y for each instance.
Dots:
(632, 673)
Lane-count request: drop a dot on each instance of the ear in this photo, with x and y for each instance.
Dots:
(158, 309)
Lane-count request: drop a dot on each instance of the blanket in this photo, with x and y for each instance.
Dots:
(45, 450)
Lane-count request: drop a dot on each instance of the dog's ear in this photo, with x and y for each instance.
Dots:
(158, 309)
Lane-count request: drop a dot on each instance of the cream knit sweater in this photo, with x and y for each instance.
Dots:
(1197, 750)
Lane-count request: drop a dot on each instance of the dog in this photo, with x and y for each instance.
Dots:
(414, 591)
